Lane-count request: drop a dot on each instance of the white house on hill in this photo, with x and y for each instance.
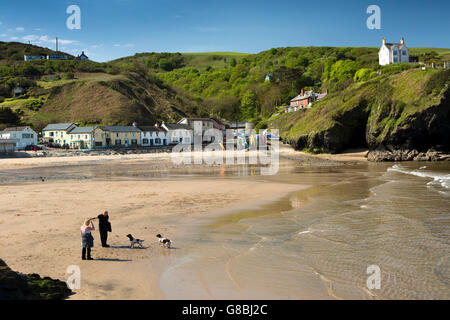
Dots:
(393, 52)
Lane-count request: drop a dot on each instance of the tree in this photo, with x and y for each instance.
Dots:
(363, 74)
(343, 70)
(249, 105)
(9, 117)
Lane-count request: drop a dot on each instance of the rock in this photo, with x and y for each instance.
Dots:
(16, 286)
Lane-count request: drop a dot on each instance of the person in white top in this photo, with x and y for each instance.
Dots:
(87, 240)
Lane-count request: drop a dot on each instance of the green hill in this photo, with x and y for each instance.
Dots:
(409, 110)
(154, 87)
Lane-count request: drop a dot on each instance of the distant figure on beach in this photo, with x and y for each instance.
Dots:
(87, 240)
(104, 227)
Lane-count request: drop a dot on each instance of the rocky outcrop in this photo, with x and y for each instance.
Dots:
(405, 117)
(383, 154)
(17, 286)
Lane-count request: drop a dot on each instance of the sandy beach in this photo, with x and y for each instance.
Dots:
(307, 232)
(40, 222)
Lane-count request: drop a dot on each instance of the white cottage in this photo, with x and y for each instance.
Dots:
(153, 136)
(393, 53)
(23, 136)
(179, 133)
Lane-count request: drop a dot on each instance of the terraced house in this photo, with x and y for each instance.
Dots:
(81, 138)
(118, 136)
(153, 136)
(58, 133)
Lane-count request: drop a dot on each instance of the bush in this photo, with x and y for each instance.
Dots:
(437, 81)
(69, 76)
(363, 74)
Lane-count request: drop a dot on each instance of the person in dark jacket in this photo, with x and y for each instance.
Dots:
(104, 227)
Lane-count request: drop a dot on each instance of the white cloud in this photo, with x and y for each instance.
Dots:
(38, 39)
(128, 45)
(20, 29)
(14, 38)
(3, 35)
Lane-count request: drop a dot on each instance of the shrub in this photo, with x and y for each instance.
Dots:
(363, 74)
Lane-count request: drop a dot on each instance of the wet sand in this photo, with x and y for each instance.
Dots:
(308, 232)
(40, 221)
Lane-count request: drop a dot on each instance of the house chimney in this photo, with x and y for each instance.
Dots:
(135, 124)
(402, 41)
(301, 92)
(384, 40)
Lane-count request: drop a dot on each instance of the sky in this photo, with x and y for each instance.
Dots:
(112, 29)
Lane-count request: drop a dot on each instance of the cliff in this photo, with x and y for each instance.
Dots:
(399, 117)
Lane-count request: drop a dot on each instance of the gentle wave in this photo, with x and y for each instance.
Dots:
(438, 178)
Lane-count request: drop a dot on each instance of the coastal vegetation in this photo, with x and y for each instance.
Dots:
(367, 104)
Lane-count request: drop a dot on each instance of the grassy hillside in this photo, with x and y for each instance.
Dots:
(11, 52)
(387, 110)
(149, 87)
(102, 99)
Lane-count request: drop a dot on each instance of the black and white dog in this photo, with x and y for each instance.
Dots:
(164, 241)
(134, 241)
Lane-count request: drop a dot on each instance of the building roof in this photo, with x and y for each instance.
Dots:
(177, 126)
(82, 130)
(121, 129)
(239, 124)
(197, 119)
(16, 129)
(306, 95)
(321, 95)
(151, 129)
(57, 126)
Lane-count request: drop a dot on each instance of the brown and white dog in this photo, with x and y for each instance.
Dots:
(134, 241)
(164, 241)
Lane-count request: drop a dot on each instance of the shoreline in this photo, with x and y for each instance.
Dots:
(53, 244)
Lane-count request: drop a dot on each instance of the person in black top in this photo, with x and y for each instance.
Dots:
(104, 227)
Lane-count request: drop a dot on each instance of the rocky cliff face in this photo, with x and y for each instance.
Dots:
(16, 286)
(401, 118)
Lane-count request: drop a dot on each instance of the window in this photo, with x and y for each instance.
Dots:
(117, 135)
(395, 52)
(134, 142)
(157, 141)
(144, 141)
(118, 142)
(404, 52)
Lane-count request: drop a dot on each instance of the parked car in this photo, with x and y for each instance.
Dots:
(32, 147)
